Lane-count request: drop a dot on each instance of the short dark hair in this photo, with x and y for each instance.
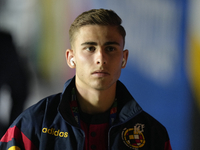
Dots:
(96, 17)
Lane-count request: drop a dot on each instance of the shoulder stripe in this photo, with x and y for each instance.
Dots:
(14, 148)
(168, 145)
(20, 138)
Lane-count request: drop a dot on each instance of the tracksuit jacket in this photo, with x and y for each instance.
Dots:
(49, 124)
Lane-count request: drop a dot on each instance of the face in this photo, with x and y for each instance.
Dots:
(97, 54)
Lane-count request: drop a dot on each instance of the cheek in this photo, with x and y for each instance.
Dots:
(83, 61)
(116, 61)
(117, 66)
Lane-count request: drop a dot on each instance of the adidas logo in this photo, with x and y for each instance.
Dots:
(54, 132)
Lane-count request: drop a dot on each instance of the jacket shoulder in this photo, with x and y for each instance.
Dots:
(152, 122)
(27, 127)
(37, 111)
(154, 129)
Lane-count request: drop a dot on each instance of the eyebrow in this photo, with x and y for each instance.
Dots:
(89, 43)
(105, 44)
(111, 43)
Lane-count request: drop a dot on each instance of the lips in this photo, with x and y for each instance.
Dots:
(100, 73)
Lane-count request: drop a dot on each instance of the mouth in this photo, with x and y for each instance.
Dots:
(100, 73)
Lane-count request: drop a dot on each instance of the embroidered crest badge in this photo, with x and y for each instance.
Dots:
(133, 137)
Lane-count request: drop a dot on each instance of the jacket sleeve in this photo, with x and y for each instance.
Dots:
(24, 133)
(15, 139)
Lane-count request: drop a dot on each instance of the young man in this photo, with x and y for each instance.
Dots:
(95, 111)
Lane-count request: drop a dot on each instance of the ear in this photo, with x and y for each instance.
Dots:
(125, 58)
(69, 54)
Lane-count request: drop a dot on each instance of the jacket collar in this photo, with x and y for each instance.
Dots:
(127, 106)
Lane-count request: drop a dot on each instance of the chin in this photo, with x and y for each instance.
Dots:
(102, 87)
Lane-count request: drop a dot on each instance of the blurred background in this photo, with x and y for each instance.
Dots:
(163, 70)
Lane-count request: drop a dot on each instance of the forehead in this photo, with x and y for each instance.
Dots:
(98, 34)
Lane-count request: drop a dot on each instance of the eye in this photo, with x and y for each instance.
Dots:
(110, 48)
(91, 48)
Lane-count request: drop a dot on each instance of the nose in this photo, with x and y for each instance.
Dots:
(101, 58)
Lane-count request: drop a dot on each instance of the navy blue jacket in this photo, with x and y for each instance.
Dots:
(49, 124)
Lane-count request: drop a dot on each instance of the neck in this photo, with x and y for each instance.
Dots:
(95, 101)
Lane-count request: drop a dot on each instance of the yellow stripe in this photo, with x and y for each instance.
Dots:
(47, 49)
(54, 39)
(194, 66)
(14, 148)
